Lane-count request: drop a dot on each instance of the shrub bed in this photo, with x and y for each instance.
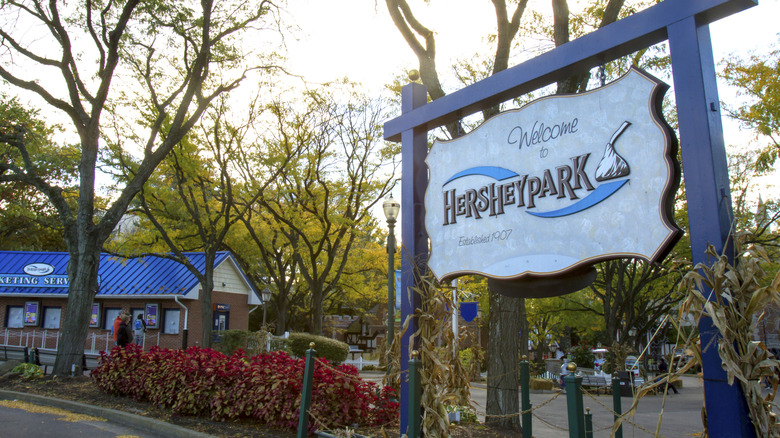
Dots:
(266, 388)
(331, 349)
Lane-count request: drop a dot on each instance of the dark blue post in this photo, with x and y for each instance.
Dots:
(308, 376)
(709, 202)
(414, 238)
(525, 397)
(616, 403)
(415, 393)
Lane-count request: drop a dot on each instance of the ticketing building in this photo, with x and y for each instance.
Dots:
(34, 292)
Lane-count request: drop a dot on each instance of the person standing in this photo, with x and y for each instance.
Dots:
(663, 369)
(115, 328)
(123, 334)
(139, 329)
(564, 372)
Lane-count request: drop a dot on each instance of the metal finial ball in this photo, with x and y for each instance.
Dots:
(414, 75)
(415, 353)
(525, 357)
(572, 367)
(311, 344)
(587, 410)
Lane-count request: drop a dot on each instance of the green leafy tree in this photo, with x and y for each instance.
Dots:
(28, 222)
(171, 58)
(758, 218)
(756, 79)
(266, 256)
(319, 203)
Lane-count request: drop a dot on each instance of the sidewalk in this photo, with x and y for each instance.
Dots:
(676, 415)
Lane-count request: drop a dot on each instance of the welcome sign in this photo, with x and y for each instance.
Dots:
(557, 185)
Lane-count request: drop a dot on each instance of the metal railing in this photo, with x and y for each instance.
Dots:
(359, 363)
(49, 339)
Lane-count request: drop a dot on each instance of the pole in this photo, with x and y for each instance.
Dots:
(574, 403)
(705, 164)
(264, 305)
(455, 331)
(390, 293)
(308, 376)
(525, 406)
(414, 397)
(588, 423)
(414, 251)
(616, 403)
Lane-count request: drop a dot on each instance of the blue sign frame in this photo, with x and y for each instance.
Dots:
(685, 24)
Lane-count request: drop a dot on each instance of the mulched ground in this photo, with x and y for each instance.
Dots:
(82, 389)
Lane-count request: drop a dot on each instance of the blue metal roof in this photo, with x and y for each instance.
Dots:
(47, 275)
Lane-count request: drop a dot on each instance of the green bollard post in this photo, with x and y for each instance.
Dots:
(616, 403)
(574, 403)
(308, 376)
(415, 397)
(525, 381)
(588, 423)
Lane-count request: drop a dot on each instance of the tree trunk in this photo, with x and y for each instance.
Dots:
(281, 316)
(82, 288)
(502, 394)
(316, 311)
(206, 310)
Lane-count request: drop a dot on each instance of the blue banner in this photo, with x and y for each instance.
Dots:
(469, 310)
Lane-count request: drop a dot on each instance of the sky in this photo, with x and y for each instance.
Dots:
(357, 39)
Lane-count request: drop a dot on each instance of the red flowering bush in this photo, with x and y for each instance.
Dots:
(267, 388)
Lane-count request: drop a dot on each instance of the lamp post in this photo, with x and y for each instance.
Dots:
(266, 297)
(391, 208)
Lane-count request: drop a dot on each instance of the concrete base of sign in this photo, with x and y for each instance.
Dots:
(544, 287)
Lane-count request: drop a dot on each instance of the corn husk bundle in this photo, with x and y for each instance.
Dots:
(737, 299)
(443, 379)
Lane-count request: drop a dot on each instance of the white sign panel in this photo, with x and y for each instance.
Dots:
(562, 183)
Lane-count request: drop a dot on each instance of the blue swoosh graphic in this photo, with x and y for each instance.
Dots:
(601, 193)
(497, 173)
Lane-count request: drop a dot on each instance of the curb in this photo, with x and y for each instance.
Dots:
(119, 417)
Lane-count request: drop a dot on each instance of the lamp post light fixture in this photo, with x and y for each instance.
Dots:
(391, 208)
(266, 293)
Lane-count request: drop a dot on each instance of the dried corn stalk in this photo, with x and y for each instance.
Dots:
(736, 305)
(443, 379)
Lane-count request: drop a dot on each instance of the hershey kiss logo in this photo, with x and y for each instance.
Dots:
(564, 181)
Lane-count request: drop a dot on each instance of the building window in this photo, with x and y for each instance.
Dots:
(171, 321)
(51, 317)
(14, 317)
(111, 314)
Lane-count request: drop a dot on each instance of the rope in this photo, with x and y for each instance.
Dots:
(622, 418)
(541, 405)
(353, 377)
(548, 423)
(333, 429)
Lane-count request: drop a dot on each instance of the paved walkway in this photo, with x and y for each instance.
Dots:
(678, 415)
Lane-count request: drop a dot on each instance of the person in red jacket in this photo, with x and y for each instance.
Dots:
(117, 321)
